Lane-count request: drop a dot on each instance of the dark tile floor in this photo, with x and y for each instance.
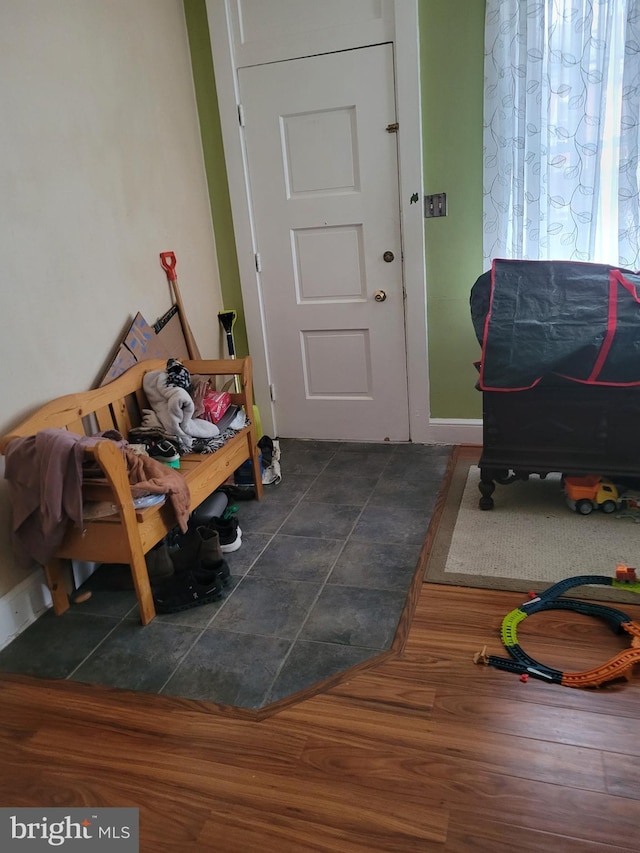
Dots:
(318, 586)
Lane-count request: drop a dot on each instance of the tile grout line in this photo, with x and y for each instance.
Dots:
(227, 598)
(267, 697)
(119, 622)
(221, 608)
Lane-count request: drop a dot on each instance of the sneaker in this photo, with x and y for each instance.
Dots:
(229, 532)
(188, 589)
(164, 451)
(220, 568)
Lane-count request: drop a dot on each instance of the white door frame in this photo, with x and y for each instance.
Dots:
(407, 75)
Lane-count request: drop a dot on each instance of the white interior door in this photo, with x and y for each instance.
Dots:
(323, 181)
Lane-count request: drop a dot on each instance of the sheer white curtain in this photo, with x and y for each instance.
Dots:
(561, 130)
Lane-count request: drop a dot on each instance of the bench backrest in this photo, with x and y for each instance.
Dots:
(119, 404)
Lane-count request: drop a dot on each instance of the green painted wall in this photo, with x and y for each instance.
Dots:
(210, 130)
(452, 79)
(451, 53)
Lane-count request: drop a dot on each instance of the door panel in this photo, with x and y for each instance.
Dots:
(324, 191)
(273, 30)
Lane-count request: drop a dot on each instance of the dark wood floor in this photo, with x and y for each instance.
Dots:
(425, 752)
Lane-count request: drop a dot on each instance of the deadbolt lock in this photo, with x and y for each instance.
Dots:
(388, 257)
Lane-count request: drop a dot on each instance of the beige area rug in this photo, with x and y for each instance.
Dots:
(529, 541)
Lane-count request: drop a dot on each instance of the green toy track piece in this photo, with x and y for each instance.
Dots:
(509, 625)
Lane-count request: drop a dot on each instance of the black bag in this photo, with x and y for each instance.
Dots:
(535, 319)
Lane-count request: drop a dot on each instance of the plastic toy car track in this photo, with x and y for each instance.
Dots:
(619, 666)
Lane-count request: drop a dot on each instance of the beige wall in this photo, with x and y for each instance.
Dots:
(101, 169)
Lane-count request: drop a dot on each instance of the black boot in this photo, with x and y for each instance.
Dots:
(201, 545)
(159, 565)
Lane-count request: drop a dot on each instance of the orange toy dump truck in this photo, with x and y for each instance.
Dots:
(584, 494)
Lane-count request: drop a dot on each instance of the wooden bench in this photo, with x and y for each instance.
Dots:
(128, 535)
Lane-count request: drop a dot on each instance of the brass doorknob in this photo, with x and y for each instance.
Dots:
(388, 257)
(379, 295)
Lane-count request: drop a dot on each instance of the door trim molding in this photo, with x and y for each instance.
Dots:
(226, 79)
(407, 68)
(407, 75)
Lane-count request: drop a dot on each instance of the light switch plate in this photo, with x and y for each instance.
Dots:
(435, 205)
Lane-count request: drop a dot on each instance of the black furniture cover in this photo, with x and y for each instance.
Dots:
(535, 319)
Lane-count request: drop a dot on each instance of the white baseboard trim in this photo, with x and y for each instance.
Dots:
(31, 597)
(455, 431)
(22, 605)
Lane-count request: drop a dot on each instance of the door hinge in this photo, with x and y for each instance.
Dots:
(258, 262)
(272, 393)
(393, 128)
(241, 115)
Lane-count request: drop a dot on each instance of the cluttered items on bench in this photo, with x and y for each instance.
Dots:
(131, 532)
(172, 412)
